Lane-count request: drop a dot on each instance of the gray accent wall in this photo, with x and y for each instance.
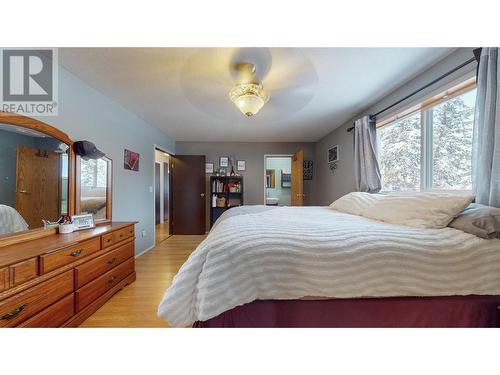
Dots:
(253, 153)
(86, 114)
(330, 186)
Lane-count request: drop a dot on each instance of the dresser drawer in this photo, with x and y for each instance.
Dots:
(54, 315)
(117, 236)
(24, 305)
(93, 290)
(96, 267)
(59, 258)
(23, 271)
(4, 279)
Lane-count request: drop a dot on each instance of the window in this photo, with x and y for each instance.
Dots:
(430, 147)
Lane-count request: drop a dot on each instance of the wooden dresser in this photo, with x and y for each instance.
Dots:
(61, 279)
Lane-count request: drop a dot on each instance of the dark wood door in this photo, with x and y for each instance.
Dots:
(157, 193)
(188, 194)
(166, 192)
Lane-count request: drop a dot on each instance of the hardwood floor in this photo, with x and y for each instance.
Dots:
(136, 304)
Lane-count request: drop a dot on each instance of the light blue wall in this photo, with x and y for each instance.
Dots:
(330, 186)
(283, 194)
(86, 114)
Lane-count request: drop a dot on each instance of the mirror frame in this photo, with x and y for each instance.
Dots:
(42, 127)
(109, 190)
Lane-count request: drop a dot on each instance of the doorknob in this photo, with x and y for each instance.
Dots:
(202, 194)
(23, 191)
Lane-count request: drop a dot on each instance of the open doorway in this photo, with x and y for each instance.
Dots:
(278, 182)
(162, 194)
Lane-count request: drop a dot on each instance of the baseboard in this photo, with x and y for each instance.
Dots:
(145, 251)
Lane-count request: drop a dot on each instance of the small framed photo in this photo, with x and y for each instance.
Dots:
(209, 167)
(83, 221)
(131, 160)
(308, 169)
(224, 161)
(241, 165)
(222, 172)
(333, 154)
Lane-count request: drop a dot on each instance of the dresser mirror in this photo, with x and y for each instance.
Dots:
(93, 187)
(35, 171)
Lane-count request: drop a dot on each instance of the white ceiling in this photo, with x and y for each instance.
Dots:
(184, 91)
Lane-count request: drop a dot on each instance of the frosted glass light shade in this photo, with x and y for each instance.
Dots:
(249, 104)
(249, 98)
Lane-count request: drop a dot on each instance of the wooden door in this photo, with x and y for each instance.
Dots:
(297, 188)
(157, 193)
(188, 194)
(166, 192)
(38, 177)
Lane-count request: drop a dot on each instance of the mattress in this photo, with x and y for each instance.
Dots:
(295, 252)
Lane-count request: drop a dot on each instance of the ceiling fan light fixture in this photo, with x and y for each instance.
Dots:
(249, 98)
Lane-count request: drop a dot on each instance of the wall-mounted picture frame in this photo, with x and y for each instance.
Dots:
(333, 154)
(241, 165)
(85, 221)
(209, 167)
(308, 169)
(224, 161)
(131, 160)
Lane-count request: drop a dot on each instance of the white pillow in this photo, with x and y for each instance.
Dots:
(355, 203)
(421, 210)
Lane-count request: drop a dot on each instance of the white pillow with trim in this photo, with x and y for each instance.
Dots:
(355, 203)
(420, 210)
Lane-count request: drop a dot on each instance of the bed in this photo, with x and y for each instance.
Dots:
(317, 267)
(11, 221)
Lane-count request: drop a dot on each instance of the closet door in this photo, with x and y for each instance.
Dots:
(157, 193)
(188, 194)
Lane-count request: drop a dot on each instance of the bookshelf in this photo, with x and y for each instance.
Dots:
(229, 192)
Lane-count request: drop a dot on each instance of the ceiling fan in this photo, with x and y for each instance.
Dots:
(248, 93)
(274, 82)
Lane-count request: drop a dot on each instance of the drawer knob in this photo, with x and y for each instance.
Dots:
(111, 279)
(112, 260)
(75, 253)
(13, 313)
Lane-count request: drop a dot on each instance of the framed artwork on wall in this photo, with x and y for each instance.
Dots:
(131, 160)
(308, 169)
(224, 161)
(333, 154)
(209, 167)
(241, 165)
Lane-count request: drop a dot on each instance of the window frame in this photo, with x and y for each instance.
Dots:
(426, 136)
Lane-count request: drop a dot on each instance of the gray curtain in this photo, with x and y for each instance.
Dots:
(486, 144)
(366, 168)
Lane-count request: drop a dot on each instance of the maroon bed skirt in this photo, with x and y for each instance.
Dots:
(454, 311)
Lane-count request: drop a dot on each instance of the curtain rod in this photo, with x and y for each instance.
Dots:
(421, 88)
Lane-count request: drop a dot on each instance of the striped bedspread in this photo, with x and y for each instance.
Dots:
(294, 252)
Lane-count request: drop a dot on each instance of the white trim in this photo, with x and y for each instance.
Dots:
(145, 251)
(156, 147)
(419, 99)
(265, 167)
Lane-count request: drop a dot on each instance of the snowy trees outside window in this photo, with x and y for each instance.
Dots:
(429, 149)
